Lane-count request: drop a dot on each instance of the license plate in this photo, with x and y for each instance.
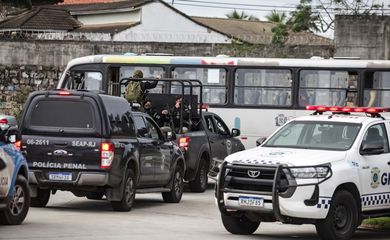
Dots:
(60, 176)
(250, 201)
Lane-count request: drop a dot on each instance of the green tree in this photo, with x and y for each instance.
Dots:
(280, 30)
(303, 19)
(240, 15)
(276, 17)
(279, 33)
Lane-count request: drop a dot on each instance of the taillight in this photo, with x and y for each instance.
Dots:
(106, 155)
(3, 121)
(184, 143)
(64, 93)
(18, 145)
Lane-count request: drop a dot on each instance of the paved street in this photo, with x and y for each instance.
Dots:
(196, 217)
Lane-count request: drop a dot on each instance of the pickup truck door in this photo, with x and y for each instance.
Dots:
(146, 151)
(162, 161)
(375, 169)
(218, 134)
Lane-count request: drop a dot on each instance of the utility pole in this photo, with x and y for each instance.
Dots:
(173, 1)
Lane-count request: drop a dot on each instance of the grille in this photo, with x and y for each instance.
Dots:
(237, 178)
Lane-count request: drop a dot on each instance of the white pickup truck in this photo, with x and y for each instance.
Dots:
(331, 169)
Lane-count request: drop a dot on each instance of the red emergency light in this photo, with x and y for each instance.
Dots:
(64, 93)
(347, 109)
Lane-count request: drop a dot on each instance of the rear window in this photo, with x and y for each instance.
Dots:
(63, 114)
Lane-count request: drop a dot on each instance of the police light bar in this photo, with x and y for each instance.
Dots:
(347, 109)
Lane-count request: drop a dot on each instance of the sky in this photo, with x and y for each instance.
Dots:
(258, 8)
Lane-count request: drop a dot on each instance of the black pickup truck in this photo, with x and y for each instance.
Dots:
(94, 145)
(205, 146)
(203, 136)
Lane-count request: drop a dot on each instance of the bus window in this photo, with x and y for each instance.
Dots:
(263, 87)
(84, 80)
(213, 80)
(93, 80)
(147, 71)
(327, 87)
(377, 89)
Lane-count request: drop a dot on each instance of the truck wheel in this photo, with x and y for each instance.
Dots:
(342, 219)
(41, 199)
(128, 196)
(18, 205)
(174, 196)
(199, 184)
(95, 195)
(239, 225)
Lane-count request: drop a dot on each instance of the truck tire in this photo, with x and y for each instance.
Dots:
(239, 225)
(342, 219)
(199, 184)
(128, 196)
(41, 199)
(174, 196)
(95, 195)
(18, 205)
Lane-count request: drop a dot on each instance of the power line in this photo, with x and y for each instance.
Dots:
(258, 7)
(222, 7)
(238, 4)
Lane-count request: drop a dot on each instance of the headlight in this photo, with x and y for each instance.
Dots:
(310, 172)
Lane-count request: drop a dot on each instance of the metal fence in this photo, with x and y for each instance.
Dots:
(167, 37)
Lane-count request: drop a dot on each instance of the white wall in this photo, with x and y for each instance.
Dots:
(159, 23)
(108, 18)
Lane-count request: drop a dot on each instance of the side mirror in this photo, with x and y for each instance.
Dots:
(168, 133)
(371, 149)
(260, 141)
(236, 132)
(2, 164)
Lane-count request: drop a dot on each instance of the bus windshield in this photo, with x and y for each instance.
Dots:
(315, 135)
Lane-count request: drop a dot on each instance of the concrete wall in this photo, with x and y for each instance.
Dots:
(34, 65)
(366, 37)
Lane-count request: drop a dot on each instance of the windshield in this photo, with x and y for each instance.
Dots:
(315, 135)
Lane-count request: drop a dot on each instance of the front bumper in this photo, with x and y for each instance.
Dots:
(283, 198)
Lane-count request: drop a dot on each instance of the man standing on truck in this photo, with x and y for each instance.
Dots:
(136, 91)
(176, 113)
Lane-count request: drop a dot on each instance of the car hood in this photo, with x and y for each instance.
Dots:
(289, 156)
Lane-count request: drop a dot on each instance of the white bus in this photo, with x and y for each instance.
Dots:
(256, 95)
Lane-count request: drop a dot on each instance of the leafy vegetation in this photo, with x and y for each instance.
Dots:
(379, 223)
(240, 15)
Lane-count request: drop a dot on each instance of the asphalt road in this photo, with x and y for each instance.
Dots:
(196, 217)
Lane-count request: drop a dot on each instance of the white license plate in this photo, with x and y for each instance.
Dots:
(60, 176)
(250, 201)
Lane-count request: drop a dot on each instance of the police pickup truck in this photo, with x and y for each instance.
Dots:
(328, 169)
(14, 191)
(94, 145)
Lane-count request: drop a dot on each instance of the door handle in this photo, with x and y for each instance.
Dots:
(365, 167)
(388, 163)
